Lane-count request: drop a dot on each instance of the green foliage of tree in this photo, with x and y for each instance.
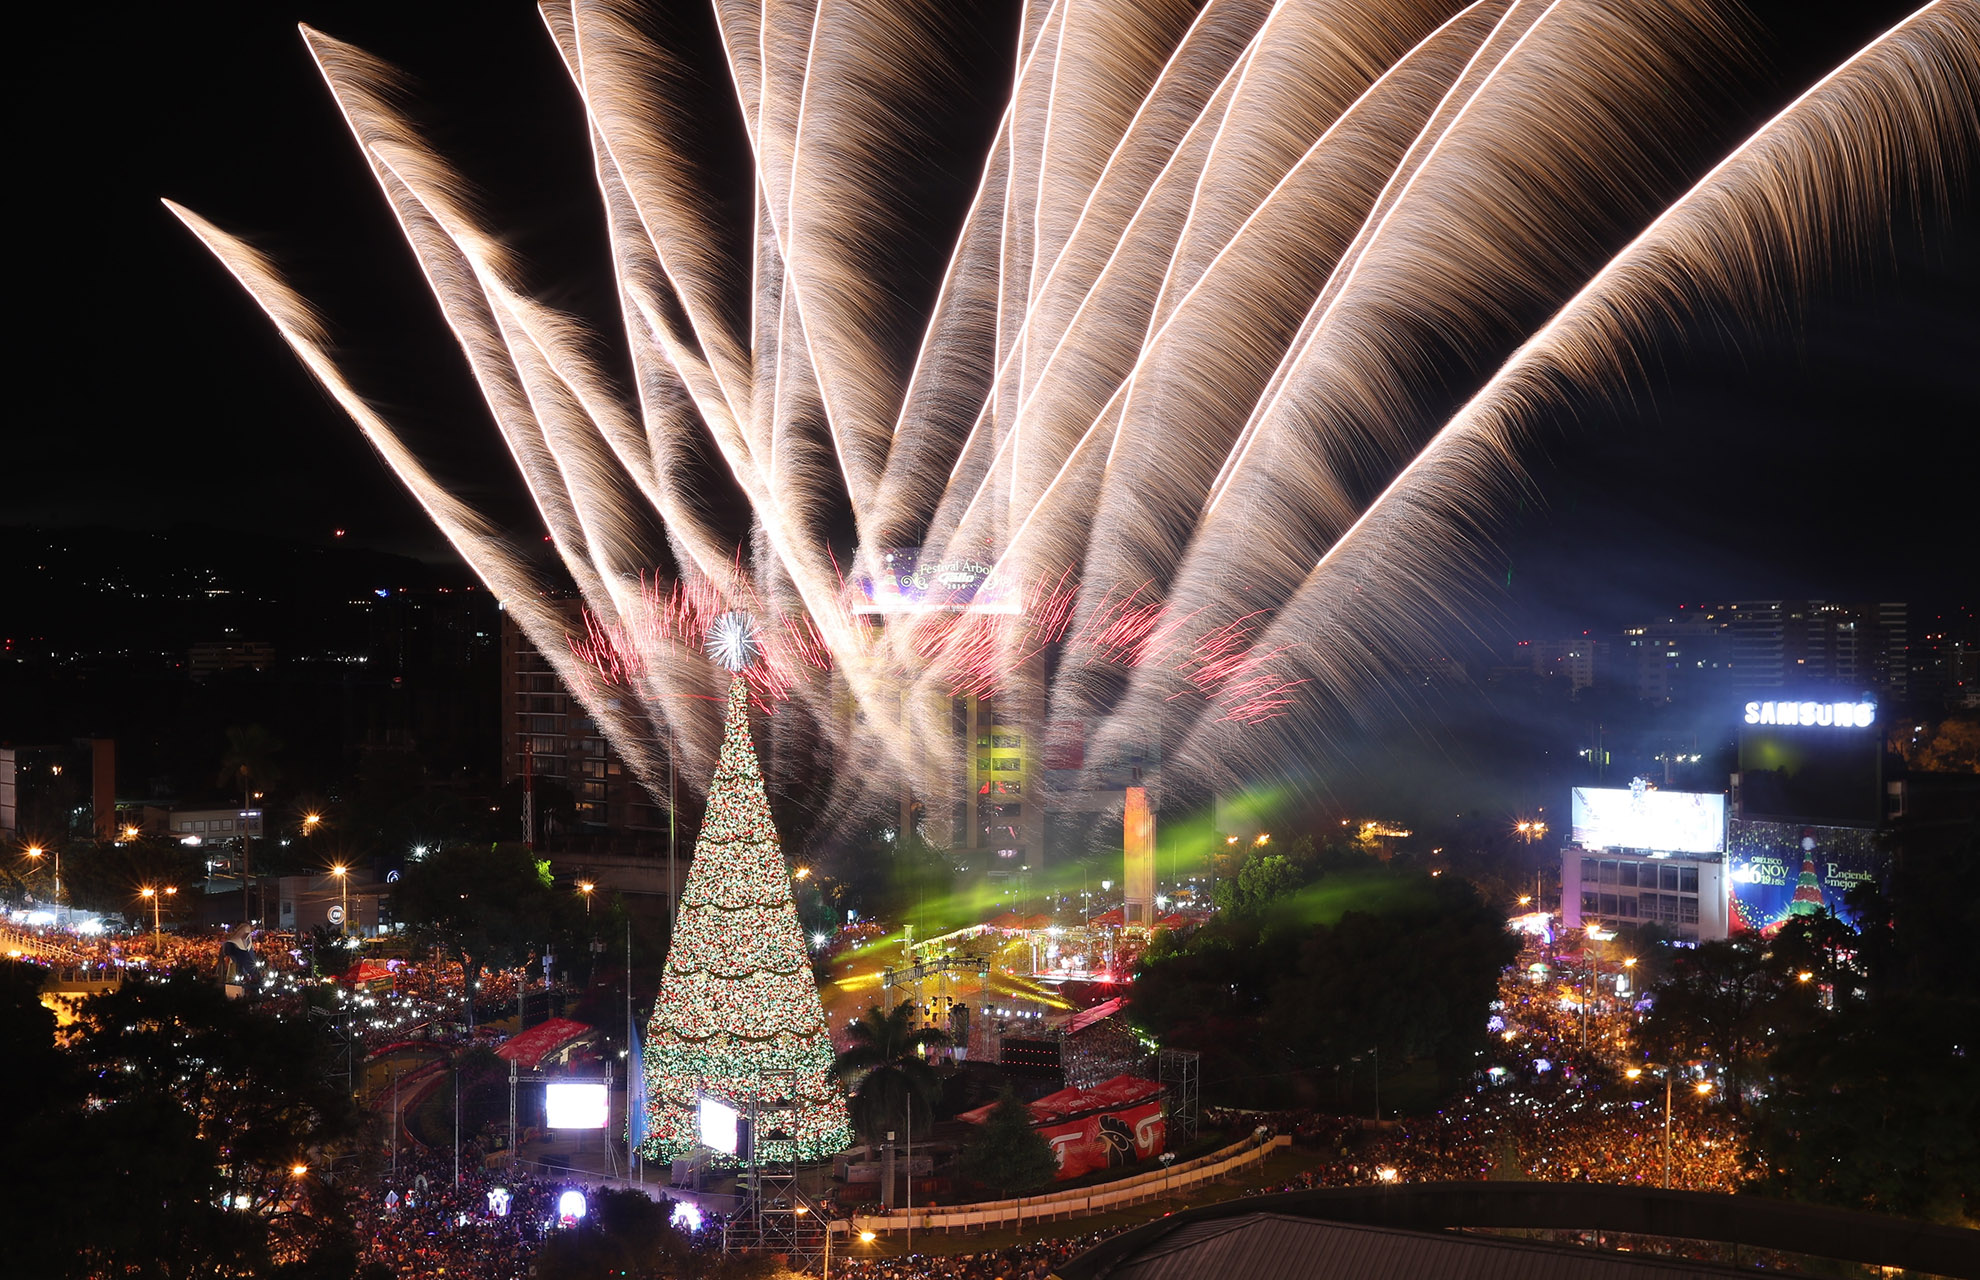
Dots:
(1872, 1105)
(1007, 1156)
(486, 907)
(163, 1138)
(106, 876)
(1950, 746)
(1271, 999)
(1729, 1001)
(1878, 1110)
(887, 1071)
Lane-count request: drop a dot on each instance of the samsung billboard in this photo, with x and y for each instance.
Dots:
(1642, 818)
(1808, 761)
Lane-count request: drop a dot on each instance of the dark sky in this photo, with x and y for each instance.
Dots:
(1836, 457)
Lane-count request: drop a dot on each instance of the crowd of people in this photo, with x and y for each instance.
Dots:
(421, 1226)
(1032, 1260)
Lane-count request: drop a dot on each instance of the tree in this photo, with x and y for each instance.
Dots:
(1729, 1001)
(738, 1015)
(190, 1114)
(484, 907)
(1876, 1110)
(107, 876)
(888, 1071)
(1007, 1155)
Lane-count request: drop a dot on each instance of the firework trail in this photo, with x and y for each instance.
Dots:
(1172, 412)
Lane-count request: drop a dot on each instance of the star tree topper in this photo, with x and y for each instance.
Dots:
(734, 640)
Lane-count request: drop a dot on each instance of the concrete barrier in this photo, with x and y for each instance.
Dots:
(1086, 1200)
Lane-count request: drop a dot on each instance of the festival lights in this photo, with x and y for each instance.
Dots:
(737, 999)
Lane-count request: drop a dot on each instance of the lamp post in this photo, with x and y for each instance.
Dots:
(585, 887)
(36, 852)
(156, 896)
(344, 897)
(1703, 1089)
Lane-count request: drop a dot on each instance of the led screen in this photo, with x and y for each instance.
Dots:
(718, 1125)
(574, 1105)
(1663, 821)
(1779, 871)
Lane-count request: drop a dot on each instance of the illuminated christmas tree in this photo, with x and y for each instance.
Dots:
(738, 1005)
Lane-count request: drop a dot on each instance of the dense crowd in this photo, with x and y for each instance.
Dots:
(422, 1227)
(1033, 1260)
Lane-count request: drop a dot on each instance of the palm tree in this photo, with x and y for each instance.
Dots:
(887, 1071)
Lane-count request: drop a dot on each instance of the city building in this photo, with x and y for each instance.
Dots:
(1759, 645)
(546, 732)
(353, 902)
(64, 791)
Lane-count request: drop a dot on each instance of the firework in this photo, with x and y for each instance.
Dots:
(1170, 410)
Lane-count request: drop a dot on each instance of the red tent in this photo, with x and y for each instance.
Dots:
(1008, 922)
(530, 1048)
(367, 973)
(1110, 919)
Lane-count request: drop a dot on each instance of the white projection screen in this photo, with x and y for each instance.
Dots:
(718, 1128)
(1663, 821)
(574, 1104)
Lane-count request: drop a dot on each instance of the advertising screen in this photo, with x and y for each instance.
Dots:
(717, 1125)
(1815, 773)
(573, 1104)
(1778, 871)
(1639, 818)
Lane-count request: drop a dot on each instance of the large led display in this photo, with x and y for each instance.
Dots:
(1640, 818)
(574, 1104)
(718, 1125)
(1779, 871)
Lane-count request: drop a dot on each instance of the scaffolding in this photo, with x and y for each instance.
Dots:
(773, 1214)
(1179, 1071)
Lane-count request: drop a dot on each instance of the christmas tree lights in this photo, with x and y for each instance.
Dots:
(737, 1000)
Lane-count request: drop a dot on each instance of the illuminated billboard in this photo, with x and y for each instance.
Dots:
(574, 1104)
(1641, 818)
(1778, 871)
(718, 1125)
(1811, 762)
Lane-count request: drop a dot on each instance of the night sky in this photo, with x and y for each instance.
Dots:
(1835, 458)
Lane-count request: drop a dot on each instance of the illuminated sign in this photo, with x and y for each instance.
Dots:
(574, 1105)
(1838, 715)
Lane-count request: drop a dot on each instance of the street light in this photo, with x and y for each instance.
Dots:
(1702, 1088)
(36, 852)
(585, 887)
(344, 892)
(156, 897)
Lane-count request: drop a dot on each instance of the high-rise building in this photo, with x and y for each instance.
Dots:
(546, 731)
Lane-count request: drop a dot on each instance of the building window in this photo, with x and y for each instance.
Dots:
(1626, 875)
(1608, 873)
(1608, 904)
(1589, 873)
(1688, 881)
(1007, 765)
(1687, 911)
(1669, 879)
(1590, 904)
(1626, 906)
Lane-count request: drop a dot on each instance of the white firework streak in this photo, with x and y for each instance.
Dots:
(1171, 390)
